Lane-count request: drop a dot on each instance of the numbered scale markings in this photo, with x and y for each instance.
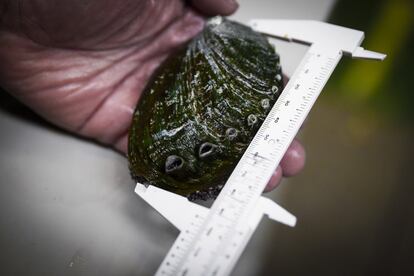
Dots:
(209, 243)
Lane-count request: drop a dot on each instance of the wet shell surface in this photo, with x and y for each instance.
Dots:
(201, 109)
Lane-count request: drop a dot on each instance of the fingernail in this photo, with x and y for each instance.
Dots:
(232, 3)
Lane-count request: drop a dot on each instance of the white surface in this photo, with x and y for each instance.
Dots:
(67, 206)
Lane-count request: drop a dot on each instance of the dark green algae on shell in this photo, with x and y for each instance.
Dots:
(202, 108)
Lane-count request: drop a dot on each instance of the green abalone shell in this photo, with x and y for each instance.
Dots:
(202, 108)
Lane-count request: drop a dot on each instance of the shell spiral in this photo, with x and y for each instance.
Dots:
(201, 109)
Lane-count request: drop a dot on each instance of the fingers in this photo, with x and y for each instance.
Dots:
(122, 144)
(215, 7)
(274, 180)
(294, 160)
(292, 163)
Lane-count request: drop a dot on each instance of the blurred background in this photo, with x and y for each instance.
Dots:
(67, 205)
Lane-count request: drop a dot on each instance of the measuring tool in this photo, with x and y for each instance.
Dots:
(211, 240)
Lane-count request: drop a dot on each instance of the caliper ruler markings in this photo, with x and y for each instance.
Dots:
(211, 240)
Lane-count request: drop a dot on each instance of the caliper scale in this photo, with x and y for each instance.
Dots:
(211, 240)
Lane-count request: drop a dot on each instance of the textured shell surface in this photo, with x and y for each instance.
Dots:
(201, 109)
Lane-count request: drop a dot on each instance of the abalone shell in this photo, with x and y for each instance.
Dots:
(201, 109)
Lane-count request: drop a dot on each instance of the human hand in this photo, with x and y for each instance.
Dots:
(83, 64)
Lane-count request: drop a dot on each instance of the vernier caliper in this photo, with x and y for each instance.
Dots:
(211, 240)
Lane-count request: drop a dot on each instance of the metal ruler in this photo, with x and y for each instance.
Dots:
(211, 240)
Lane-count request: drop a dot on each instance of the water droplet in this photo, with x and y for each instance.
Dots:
(278, 77)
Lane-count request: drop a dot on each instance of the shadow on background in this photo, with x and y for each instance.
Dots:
(354, 199)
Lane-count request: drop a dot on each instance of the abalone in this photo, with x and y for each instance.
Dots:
(201, 109)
